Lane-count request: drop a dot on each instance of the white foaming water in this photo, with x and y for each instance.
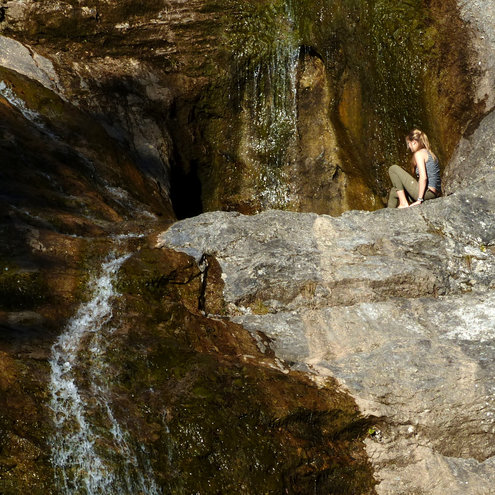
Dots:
(89, 459)
(15, 101)
(274, 116)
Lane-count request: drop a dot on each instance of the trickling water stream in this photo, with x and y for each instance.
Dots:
(274, 120)
(88, 458)
(34, 117)
(270, 100)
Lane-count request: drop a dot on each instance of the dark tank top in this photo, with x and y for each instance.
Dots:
(433, 172)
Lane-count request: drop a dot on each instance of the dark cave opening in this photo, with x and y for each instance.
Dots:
(185, 190)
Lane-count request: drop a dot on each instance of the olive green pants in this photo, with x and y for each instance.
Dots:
(402, 181)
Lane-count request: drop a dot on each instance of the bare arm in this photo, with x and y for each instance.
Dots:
(420, 157)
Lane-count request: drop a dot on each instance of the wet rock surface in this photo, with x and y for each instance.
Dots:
(69, 192)
(244, 108)
(217, 407)
(193, 391)
(396, 304)
(116, 117)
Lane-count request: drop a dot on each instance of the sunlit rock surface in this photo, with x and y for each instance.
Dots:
(396, 304)
(21, 58)
(187, 393)
(480, 17)
(473, 162)
(116, 117)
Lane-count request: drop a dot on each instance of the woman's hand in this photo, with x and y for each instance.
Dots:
(416, 203)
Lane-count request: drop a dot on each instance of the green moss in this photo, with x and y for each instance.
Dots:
(256, 31)
(239, 427)
(215, 423)
(152, 275)
(24, 429)
(212, 414)
(391, 54)
(76, 25)
(88, 262)
(397, 32)
(129, 8)
(258, 307)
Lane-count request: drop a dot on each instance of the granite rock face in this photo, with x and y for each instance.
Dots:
(480, 17)
(395, 304)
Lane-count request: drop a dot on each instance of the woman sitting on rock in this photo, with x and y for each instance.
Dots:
(424, 165)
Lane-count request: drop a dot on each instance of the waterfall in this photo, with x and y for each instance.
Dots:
(90, 459)
(266, 59)
(34, 117)
(273, 117)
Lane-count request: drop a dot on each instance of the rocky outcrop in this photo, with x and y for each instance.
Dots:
(68, 192)
(237, 107)
(16, 56)
(473, 161)
(116, 116)
(480, 18)
(395, 304)
(193, 392)
(214, 404)
(193, 395)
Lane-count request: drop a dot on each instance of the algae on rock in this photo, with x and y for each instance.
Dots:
(216, 406)
(227, 94)
(277, 127)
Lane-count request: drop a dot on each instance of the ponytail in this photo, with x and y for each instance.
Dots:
(421, 138)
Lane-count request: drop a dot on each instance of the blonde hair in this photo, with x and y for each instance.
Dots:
(421, 138)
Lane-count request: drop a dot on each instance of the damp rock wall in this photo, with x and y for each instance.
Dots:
(117, 118)
(245, 106)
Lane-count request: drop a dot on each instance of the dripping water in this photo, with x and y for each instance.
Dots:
(87, 458)
(7, 92)
(269, 95)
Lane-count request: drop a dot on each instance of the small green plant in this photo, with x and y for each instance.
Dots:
(259, 307)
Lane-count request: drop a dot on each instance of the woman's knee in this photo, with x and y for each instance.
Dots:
(394, 168)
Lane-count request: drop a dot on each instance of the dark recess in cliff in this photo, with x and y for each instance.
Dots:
(185, 190)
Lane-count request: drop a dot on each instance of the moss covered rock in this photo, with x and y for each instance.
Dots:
(218, 99)
(218, 415)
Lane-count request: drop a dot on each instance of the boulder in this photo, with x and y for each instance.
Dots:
(395, 304)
